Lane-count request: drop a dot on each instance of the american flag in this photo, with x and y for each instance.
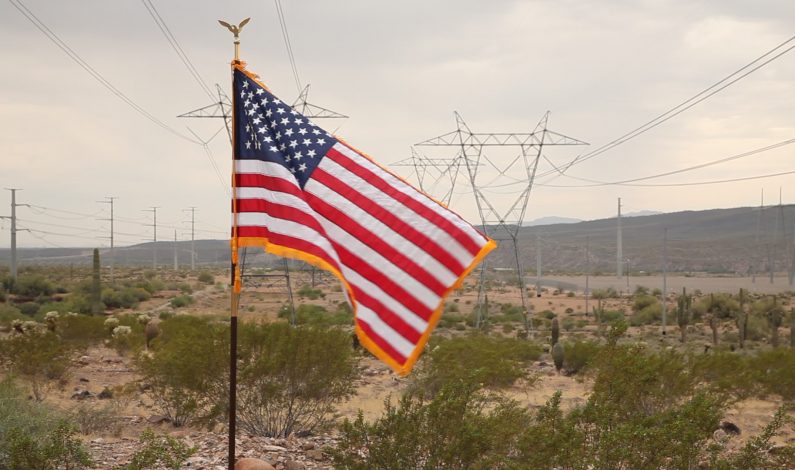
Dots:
(302, 193)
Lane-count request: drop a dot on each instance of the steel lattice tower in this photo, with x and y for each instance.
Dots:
(519, 171)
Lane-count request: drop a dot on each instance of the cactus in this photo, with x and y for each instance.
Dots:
(774, 320)
(713, 324)
(96, 289)
(51, 319)
(555, 331)
(152, 331)
(558, 355)
(741, 318)
(683, 304)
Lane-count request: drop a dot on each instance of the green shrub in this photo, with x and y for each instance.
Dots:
(206, 278)
(188, 369)
(9, 313)
(611, 316)
(776, 372)
(491, 361)
(579, 354)
(291, 377)
(159, 451)
(33, 285)
(458, 428)
(649, 315)
(126, 297)
(81, 331)
(310, 293)
(311, 314)
(28, 308)
(38, 357)
(642, 301)
(34, 436)
(181, 301)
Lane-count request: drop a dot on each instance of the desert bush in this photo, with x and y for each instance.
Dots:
(9, 313)
(187, 369)
(89, 418)
(158, 452)
(33, 436)
(648, 315)
(310, 293)
(611, 316)
(491, 361)
(721, 304)
(642, 301)
(757, 328)
(776, 372)
(28, 308)
(181, 301)
(291, 377)
(311, 314)
(80, 331)
(578, 355)
(38, 357)
(460, 427)
(206, 278)
(33, 286)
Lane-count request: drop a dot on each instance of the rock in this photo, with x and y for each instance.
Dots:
(293, 465)
(272, 448)
(105, 394)
(81, 395)
(157, 419)
(315, 454)
(83, 379)
(84, 360)
(720, 435)
(248, 463)
(729, 427)
(309, 445)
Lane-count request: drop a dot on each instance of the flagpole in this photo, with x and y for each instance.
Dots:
(235, 281)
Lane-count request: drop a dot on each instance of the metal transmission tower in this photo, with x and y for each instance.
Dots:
(192, 237)
(109, 200)
(487, 173)
(313, 111)
(437, 176)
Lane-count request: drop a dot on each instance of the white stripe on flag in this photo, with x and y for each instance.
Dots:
(413, 193)
(403, 346)
(379, 263)
(381, 230)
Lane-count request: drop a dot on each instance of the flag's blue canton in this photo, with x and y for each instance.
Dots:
(270, 130)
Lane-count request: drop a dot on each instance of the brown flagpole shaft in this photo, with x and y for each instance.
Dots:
(235, 278)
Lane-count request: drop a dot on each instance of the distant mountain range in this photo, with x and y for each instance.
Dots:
(728, 241)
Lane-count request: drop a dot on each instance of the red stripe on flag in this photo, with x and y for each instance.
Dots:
(286, 241)
(375, 242)
(407, 201)
(387, 316)
(382, 343)
(273, 183)
(280, 211)
(388, 285)
(390, 220)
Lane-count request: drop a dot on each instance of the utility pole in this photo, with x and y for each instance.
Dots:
(619, 244)
(756, 236)
(13, 218)
(176, 263)
(538, 262)
(665, 279)
(587, 271)
(629, 270)
(153, 210)
(109, 200)
(192, 237)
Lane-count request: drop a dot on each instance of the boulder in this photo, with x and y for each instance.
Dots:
(248, 463)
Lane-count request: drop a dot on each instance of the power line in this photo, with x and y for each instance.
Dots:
(172, 40)
(41, 26)
(287, 43)
(718, 86)
(595, 183)
(699, 183)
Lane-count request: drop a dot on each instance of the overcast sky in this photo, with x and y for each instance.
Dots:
(399, 70)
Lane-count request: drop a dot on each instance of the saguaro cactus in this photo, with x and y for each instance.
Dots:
(555, 331)
(792, 328)
(741, 319)
(774, 320)
(558, 355)
(683, 304)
